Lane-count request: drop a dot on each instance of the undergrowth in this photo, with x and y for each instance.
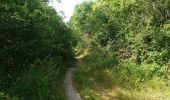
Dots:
(43, 81)
(99, 77)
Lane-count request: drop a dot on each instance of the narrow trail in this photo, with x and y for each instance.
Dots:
(71, 92)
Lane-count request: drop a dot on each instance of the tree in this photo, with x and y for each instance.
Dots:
(130, 28)
(30, 30)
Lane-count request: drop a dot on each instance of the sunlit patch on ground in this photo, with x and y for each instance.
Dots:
(99, 84)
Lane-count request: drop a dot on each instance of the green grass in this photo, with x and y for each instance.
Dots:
(43, 81)
(97, 79)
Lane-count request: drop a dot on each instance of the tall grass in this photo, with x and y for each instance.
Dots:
(43, 81)
(100, 78)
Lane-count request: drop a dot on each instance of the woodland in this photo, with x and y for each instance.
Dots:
(123, 47)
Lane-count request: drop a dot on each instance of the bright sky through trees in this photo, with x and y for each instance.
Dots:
(67, 6)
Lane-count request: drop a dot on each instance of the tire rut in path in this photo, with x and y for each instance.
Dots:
(69, 87)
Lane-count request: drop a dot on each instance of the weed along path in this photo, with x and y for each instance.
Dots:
(69, 87)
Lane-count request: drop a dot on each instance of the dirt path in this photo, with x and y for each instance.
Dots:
(69, 87)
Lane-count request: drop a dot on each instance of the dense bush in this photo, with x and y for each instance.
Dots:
(129, 46)
(43, 81)
(135, 27)
(135, 30)
(129, 49)
(31, 30)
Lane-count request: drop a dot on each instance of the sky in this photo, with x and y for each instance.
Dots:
(67, 6)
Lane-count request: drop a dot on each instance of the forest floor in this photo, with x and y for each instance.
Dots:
(71, 92)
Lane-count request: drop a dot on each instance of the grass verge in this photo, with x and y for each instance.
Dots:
(96, 80)
(43, 81)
